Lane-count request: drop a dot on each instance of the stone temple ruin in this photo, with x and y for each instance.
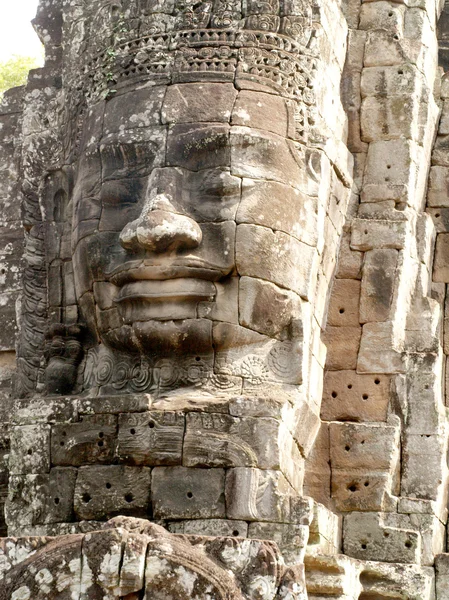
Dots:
(224, 257)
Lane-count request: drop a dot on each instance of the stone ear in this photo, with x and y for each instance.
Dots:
(56, 194)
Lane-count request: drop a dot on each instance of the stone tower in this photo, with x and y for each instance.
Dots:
(225, 250)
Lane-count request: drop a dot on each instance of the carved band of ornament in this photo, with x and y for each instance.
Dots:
(120, 374)
(273, 58)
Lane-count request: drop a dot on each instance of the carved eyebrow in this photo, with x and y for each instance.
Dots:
(135, 157)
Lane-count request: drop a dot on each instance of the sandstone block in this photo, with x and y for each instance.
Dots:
(349, 261)
(378, 283)
(391, 118)
(183, 103)
(186, 493)
(441, 262)
(290, 538)
(151, 438)
(368, 234)
(210, 527)
(344, 303)
(351, 396)
(39, 499)
(30, 450)
(365, 538)
(91, 441)
(276, 257)
(266, 308)
(438, 189)
(354, 491)
(383, 81)
(383, 15)
(442, 576)
(218, 440)
(423, 469)
(377, 350)
(262, 155)
(197, 147)
(251, 111)
(296, 214)
(256, 495)
(342, 347)
(103, 491)
(440, 151)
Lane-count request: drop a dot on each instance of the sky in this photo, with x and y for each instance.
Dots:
(17, 36)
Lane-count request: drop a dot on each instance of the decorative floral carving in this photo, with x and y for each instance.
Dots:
(254, 369)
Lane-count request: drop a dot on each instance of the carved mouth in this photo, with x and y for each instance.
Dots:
(170, 290)
(141, 271)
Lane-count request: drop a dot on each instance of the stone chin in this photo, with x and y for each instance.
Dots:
(162, 338)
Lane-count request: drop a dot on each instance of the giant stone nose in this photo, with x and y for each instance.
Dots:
(160, 228)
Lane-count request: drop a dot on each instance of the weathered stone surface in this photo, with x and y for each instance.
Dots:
(344, 303)
(91, 441)
(186, 493)
(187, 103)
(30, 450)
(276, 257)
(379, 277)
(151, 438)
(103, 491)
(350, 396)
(210, 527)
(217, 440)
(256, 495)
(343, 347)
(38, 499)
(364, 460)
(365, 539)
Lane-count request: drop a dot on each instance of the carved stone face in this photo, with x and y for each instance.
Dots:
(193, 203)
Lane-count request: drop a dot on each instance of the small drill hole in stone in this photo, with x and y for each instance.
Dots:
(235, 533)
(366, 484)
(151, 425)
(386, 534)
(401, 72)
(349, 386)
(108, 486)
(388, 166)
(365, 396)
(101, 443)
(396, 37)
(132, 431)
(129, 497)
(352, 488)
(56, 500)
(341, 311)
(189, 495)
(334, 394)
(377, 381)
(437, 214)
(347, 448)
(62, 443)
(408, 544)
(362, 442)
(30, 452)
(363, 546)
(366, 231)
(101, 434)
(86, 497)
(390, 14)
(64, 433)
(197, 358)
